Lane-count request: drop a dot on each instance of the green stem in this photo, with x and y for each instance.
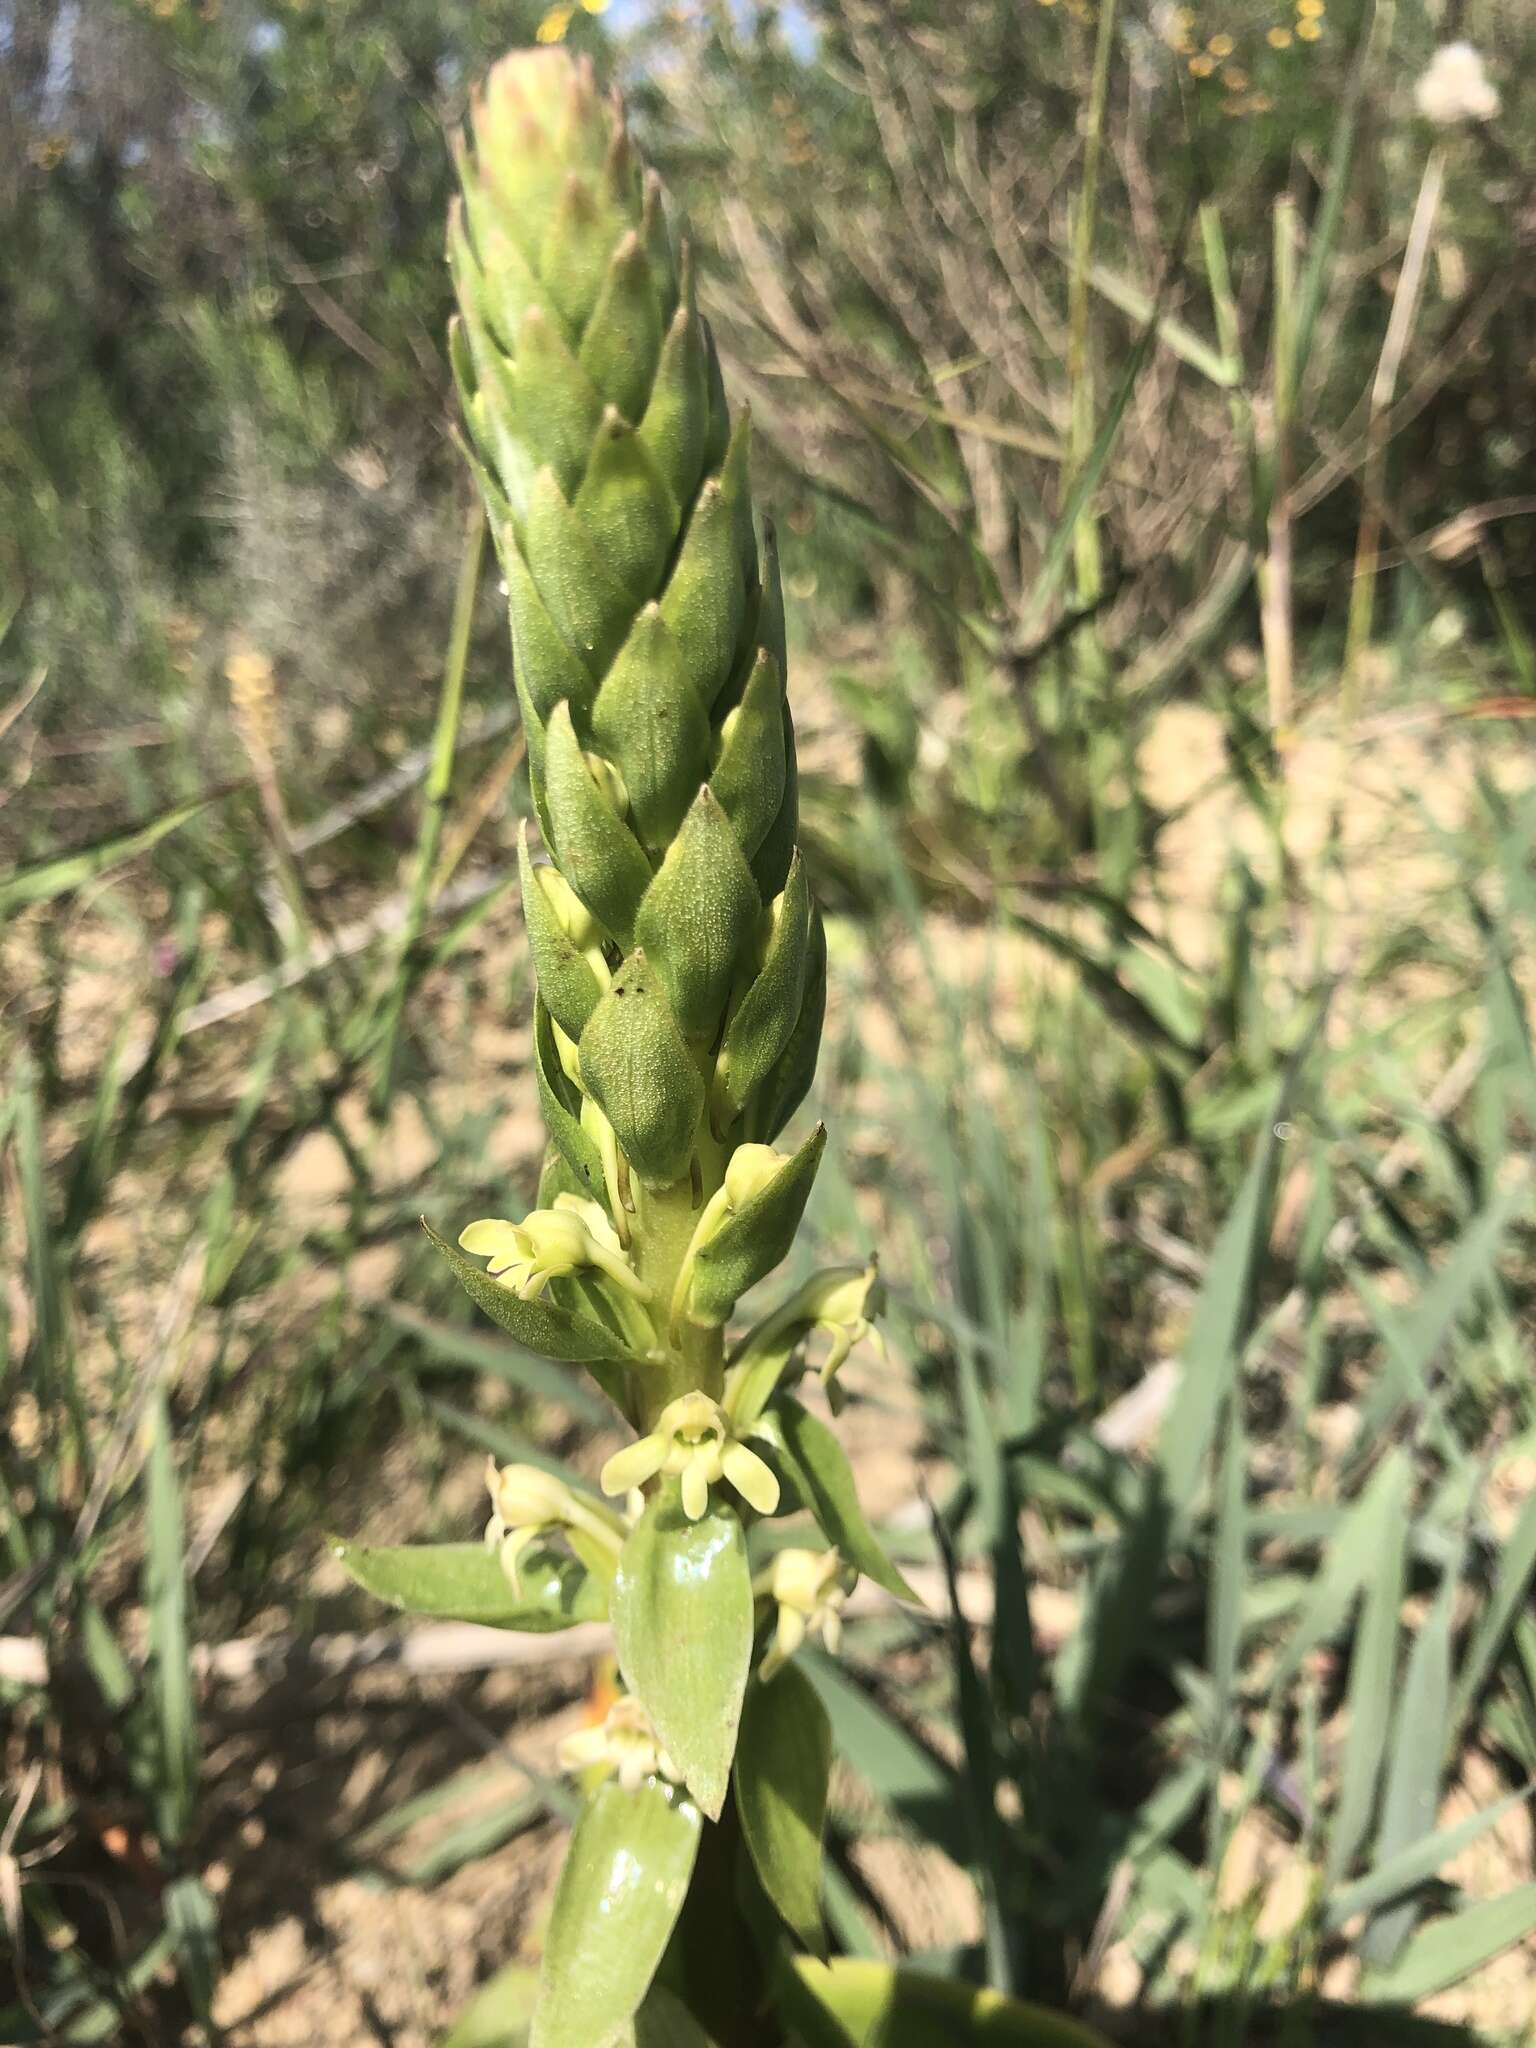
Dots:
(662, 1232)
(445, 739)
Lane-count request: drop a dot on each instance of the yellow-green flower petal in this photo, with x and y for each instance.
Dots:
(695, 1489)
(510, 1555)
(750, 1476)
(634, 1465)
(490, 1238)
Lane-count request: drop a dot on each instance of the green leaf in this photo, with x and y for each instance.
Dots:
(1451, 1948)
(540, 1325)
(817, 1466)
(450, 1348)
(1415, 1865)
(193, 1919)
(641, 1075)
(1210, 1352)
(1511, 1588)
(751, 1242)
(1372, 1659)
(625, 1878)
(783, 1762)
(1416, 1760)
(1416, 1334)
(665, 2022)
(682, 1619)
(58, 873)
(1180, 340)
(853, 2003)
(499, 2014)
(903, 1772)
(465, 1582)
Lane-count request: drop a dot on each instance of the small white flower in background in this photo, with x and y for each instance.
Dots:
(623, 1743)
(1456, 87)
(693, 1442)
(811, 1589)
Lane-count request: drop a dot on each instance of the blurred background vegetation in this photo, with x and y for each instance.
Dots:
(1146, 402)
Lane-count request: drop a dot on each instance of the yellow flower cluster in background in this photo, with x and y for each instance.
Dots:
(555, 23)
(1211, 55)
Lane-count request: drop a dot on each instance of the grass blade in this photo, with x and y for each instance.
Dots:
(1372, 1668)
(1417, 1864)
(165, 1598)
(1452, 1948)
(1417, 1762)
(59, 873)
(904, 1773)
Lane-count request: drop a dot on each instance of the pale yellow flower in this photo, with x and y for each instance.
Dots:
(548, 1244)
(526, 1501)
(810, 1589)
(693, 1442)
(624, 1743)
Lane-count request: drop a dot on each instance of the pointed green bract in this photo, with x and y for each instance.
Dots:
(698, 917)
(638, 1071)
(749, 1244)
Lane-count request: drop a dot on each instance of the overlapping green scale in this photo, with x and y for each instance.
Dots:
(684, 1012)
